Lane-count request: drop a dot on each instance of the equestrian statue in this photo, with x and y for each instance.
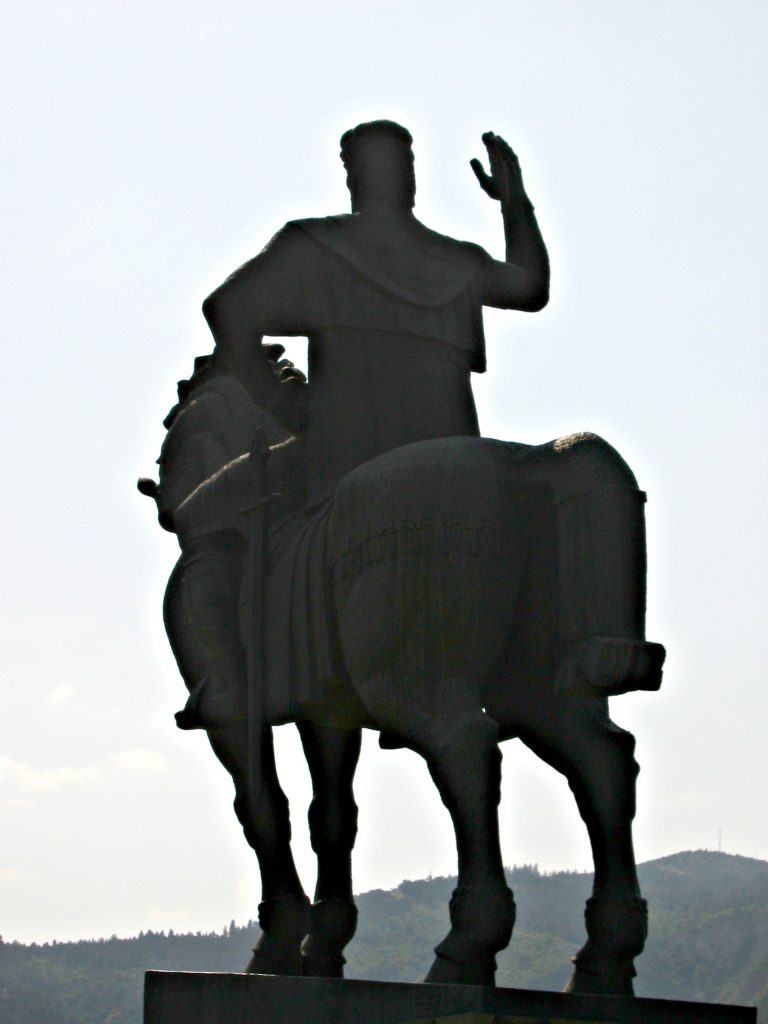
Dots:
(355, 555)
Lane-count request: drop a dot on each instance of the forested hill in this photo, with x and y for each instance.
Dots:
(708, 940)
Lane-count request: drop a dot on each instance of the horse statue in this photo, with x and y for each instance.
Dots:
(452, 593)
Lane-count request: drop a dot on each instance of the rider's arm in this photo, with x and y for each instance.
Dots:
(262, 297)
(522, 282)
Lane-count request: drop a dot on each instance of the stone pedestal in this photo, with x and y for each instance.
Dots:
(185, 998)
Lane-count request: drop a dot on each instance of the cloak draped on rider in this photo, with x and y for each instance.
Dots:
(394, 330)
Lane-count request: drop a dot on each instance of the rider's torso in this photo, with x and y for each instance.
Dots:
(372, 391)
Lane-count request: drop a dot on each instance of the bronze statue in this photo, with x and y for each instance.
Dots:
(406, 575)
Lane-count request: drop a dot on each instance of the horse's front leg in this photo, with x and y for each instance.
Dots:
(332, 756)
(200, 613)
(284, 909)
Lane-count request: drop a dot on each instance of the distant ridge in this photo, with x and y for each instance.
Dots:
(708, 941)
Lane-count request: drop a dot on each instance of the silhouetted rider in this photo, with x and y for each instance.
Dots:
(392, 310)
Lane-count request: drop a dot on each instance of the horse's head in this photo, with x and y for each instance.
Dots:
(212, 424)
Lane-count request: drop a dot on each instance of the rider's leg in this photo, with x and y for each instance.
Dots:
(577, 737)
(332, 756)
(202, 622)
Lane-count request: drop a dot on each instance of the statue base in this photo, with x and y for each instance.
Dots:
(187, 998)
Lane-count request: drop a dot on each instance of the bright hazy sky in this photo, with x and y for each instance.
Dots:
(151, 147)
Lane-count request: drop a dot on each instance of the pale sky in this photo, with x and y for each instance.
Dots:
(152, 147)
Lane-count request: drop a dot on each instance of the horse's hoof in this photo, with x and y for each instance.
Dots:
(609, 980)
(333, 967)
(332, 923)
(616, 928)
(284, 923)
(272, 963)
(449, 972)
(482, 918)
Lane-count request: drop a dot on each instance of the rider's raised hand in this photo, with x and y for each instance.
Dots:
(505, 182)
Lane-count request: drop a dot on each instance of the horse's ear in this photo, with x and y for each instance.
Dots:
(147, 486)
(273, 351)
(201, 362)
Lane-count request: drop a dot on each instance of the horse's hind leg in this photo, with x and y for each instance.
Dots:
(284, 909)
(467, 772)
(332, 756)
(596, 756)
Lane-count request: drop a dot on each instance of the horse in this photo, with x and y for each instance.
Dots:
(470, 591)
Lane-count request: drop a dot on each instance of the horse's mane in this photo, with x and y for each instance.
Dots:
(206, 367)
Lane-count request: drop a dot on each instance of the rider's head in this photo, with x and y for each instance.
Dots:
(379, 162)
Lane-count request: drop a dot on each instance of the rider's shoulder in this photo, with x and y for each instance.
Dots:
(319, 229)
(456, 246)
(318, 223)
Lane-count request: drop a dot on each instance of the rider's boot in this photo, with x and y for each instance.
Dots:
(601, 594)
(332, 924)
(284, 922)
(213, 703)
(616, 930)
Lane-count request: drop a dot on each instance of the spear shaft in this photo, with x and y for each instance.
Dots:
(256, 579)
